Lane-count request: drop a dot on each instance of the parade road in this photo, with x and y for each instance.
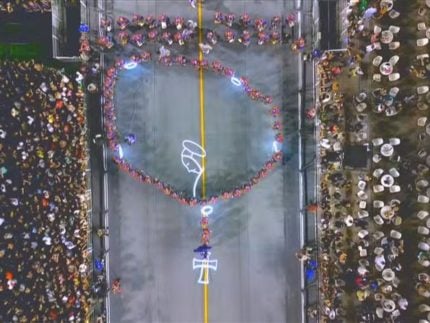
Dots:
(254, 237)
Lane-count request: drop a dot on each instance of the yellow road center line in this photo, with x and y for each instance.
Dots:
(202, 96)
(203, 144)
(202, 127)
(206, 298)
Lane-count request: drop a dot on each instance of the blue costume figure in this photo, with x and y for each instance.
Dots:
(99, 264)
(130, 139)
(311, 268)
(203, 250)
(83, 28)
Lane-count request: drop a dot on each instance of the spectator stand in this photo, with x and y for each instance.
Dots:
(332, 136)
(54, 203)
(362, 305)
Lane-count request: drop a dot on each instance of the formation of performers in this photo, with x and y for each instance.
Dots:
(140, 30)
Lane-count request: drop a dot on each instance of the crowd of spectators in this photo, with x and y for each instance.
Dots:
(11, 6)
(44, 199)
(369, 232)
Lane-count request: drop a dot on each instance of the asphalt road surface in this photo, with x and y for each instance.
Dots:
(254, 238)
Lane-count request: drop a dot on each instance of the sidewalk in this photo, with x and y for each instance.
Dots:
(307, 147)
(95, 125)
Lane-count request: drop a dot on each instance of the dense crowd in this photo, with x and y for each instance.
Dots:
(44, 260)
(115, 138)
(369, 232)
(11, 6)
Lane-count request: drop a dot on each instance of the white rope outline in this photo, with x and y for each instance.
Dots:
(130, 65)
(206, 211)
(189, 153)
(204, 264)
(235, 81)
(120, 151)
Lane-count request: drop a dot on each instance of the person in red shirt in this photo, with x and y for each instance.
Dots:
(116, 286)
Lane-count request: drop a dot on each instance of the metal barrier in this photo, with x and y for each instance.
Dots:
(56, 12)
(90, 228)
(101, 13)
(317, 171)
(316, 34)
(306, 164)
(89, 200)
(91, 16)
(105, 190)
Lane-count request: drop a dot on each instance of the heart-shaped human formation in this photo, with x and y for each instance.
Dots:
(216, 67)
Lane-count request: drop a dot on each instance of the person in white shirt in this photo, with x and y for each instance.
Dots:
(192, 3)
(205, 48)
(403, 303)
(380, 262)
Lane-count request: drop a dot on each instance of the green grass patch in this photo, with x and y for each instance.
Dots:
(21, 51)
